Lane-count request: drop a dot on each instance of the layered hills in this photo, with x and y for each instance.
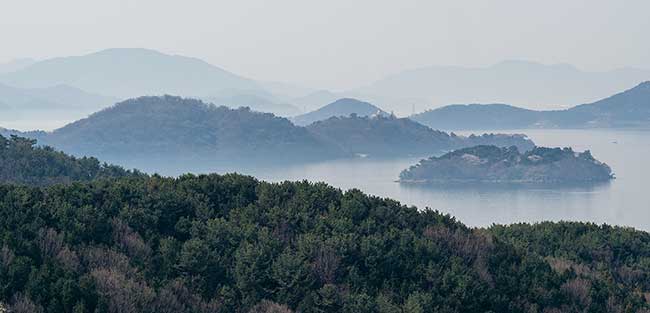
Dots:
(630, 108)
(341, 107)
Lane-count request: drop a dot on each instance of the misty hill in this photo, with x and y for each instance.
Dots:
(16, 64)
(508, 165)
(185, 129)
(58, 101)
(341, 107)
(127, 73)
(630, 108)
(314, 100)
(21, 162)
(381, 136)
(533, 85)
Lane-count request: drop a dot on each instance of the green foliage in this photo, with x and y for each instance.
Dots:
(388, 136)
(230, 243)
(22, 162)
(495, 164)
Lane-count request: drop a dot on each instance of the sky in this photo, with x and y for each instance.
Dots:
(336, 44)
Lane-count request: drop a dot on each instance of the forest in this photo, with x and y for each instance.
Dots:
(231, 243)
(22, 162)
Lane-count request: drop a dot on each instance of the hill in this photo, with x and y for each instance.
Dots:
(15, 65)
(231, 243)
(341, 107)
(21, 162)
(56, 102)
(507, 165)
(125, 73)
(174, 128)
(630, 108)
(533, 85)
(381, 136)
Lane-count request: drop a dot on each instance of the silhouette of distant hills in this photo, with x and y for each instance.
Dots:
(49, 102)
(341, 107)
(529, 84)
(143, 131)
(388, 136)
(172, 127)
(127, 73)
(630, 108)
(15, 65)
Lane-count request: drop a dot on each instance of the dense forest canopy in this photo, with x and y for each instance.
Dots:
(230, 243)
(485, 163)
(389, 136)
(22, 162)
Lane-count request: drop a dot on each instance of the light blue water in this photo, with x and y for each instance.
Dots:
(624, 201)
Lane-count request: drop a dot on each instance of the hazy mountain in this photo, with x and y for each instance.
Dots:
(58, 101)
(257, 102)
(341, 107)
(186, 130)
(130, 73)
(381, 136)
(16, 64)
(315, 100)
(478, 116)
(630, 108)
(150, 132)
(533, 85)
(286, 91)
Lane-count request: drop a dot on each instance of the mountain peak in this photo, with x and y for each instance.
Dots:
(340, 107)
(131, 72)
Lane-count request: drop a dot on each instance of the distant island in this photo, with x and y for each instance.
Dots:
(389, 136)
(630, 108)
(190, 133)
(338, 108)
(508, 165)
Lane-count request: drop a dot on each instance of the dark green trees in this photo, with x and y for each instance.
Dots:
(230, 243)
(21, 162)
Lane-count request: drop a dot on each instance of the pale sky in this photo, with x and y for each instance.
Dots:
(336, 44)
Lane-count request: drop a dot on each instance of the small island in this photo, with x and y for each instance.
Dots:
(508, 165)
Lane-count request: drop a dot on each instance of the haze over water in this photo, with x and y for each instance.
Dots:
(624, 201)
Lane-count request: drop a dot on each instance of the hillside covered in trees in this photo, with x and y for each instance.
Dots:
(189, 135)
(508, 165)
(388, 136)
(21, 162)
(231, 243)
(187, 129)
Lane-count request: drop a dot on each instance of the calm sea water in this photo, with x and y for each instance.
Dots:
(624, 201)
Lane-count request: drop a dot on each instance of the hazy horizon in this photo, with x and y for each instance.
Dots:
(339, 45)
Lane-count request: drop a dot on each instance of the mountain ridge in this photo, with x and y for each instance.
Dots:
(629, 108)
(340, 107)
